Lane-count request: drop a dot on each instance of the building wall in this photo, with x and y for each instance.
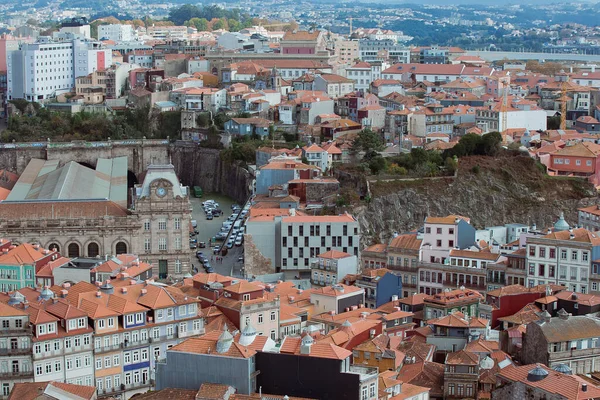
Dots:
(294, 375)
(189, 371)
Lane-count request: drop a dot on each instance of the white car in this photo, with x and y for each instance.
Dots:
(238, 241)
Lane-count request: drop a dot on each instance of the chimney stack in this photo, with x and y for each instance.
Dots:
(584, 387)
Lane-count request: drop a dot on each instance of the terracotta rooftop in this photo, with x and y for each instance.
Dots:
(292, 345)
(462, 357)
(449, 220)
(580, 235)
(337, 290)
(334, 254)
(479, 255)
(168, 393)
(405, 242)
(40, 390)
(568, 387)
(454, 296)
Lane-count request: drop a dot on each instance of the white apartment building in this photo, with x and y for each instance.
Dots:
(492, 120)
(291, 242)
(42, 70)
(116, 32)
(331, 267)
(305, 237)
(167, 32)
(562, 257)
(443, 234)
(316, 156)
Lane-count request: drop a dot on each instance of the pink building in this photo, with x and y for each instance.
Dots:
(443, 234)
(302, 42)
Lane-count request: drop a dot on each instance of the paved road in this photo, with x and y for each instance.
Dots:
(209, 228)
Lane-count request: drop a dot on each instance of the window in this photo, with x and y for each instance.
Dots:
(584, 256)
(542, 252)
(81, 323)
(182, 327)
(100, 323)
(439, 231)
(127, 358)
(39, 370)
(162, 243)
(162, 224)
(177, 223)
(99, 363)
(552, 253)
(260, 318)
(69, 364)
(107, 362)
(273, 316)
(246, 297)
(563, 254)
(111, 322)
(87, 361)
(177, 243)
(147, 245)
(532, 251)
(427, 230)
(115, 360)
(135, 356)
(573, 255)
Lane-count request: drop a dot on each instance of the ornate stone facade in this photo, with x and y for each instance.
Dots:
(155, 227)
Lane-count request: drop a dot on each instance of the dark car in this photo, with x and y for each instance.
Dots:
(216, 249)
(202, 245)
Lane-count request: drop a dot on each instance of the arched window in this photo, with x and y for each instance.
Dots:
(73, 250)
(121, 248)
(93, 249)
(54, 247)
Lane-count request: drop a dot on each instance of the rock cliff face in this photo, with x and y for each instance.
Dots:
(203, 167)
(489, 191)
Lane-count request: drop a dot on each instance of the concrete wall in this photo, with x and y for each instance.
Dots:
(140, 153)
(195, 166)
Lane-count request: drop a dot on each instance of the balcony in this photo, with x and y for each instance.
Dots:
(404, 268)
(452, 268)
(16, 375)
(364, 372)
(15, 352)
(570, 354)
(409, 285)
(456, 284)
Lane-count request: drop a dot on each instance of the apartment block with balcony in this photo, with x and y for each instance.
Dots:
(15, 348)
(403, 258)
(566, 339)
(452, 332)
(331, 267)
(463, 300)
(18, 265)
(316, 156)
(563, 257)
(461, 375)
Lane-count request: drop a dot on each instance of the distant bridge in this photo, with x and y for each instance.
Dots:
(514, 55)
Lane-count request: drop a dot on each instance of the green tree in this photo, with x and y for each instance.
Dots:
(220, 24)
(234, 25)
(366, 141)
(199, 23)
(377, 164)
(491, 143)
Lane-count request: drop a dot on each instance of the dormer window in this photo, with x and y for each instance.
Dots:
(246, 297)
(72, 324)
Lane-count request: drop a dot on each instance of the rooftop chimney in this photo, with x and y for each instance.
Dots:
(123, 290)
(372, 333)
(143, 292)
(63, 293)
(584, 387)
(98, 294)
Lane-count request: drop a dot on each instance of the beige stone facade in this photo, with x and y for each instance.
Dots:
(155, 227)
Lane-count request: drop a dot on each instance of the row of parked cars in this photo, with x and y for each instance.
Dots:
(204, 261)
(211, 209)
(234, 223)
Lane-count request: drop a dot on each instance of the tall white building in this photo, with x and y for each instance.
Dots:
(116, 32)
(41, 70)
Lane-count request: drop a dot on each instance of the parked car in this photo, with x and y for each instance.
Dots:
(209, 270)
(203, 260)
(230, 243)
(199, 253)
(202, 245)
(209, 216)
(238, 241)
(216, 249)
